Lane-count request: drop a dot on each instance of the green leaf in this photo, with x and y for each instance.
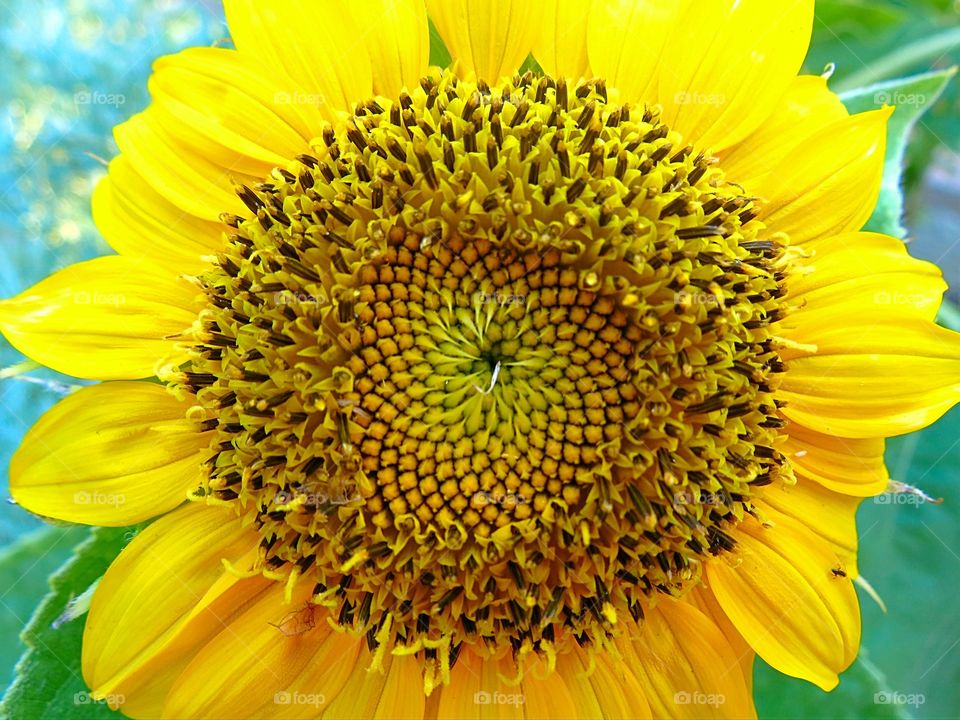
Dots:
(949, 315)
(863, 693)
(25, 566)
(909, 554)
(874, 40)
(439, 55)
(912, 97)
(49, 683)
(903, 59)
(531, 65)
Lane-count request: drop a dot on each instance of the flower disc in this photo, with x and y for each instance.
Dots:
(494, 365)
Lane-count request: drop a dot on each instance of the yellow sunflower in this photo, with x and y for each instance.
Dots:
(461, 392)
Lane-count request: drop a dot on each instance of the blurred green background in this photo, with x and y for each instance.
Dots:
(74, 68)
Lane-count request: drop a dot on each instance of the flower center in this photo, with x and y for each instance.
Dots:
(494, 366)
(489, 382)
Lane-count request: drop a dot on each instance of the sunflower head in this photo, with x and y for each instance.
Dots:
(568, 379)
(474, 365)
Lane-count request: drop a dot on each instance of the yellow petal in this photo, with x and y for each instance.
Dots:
(316, 42)
(479, 688)
(185, 177)
(402, 691)
(614, 53)
(164, 597)
(718, 69)
(397, 36)
(609, 690)
(727, 65)
(807, 108)
(786, 602)
(217, 118)
(396, 691)
(112, 318)
(489, 38)
(688, 668)
(240, 78)
(845, 465)
(561, 43)
(110, 454)
(702, 599)
(873, 272)
(220, 103)
(872, 376)
(272, 660)
(135, 220)
(830, 515)
(831, 187)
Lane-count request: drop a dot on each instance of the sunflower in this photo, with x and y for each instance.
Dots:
(465, 391)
